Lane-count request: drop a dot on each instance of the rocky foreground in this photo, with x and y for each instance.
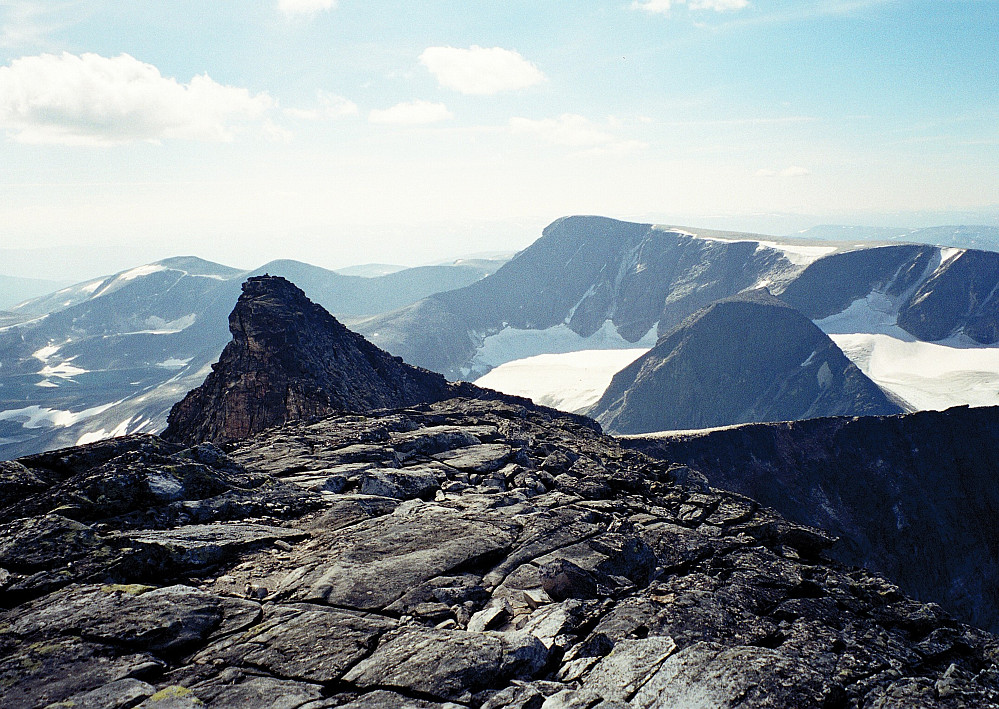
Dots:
(464, 553)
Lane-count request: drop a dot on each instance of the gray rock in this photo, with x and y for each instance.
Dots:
(201, 545)
(334, 639)
(404, 484)
(483, 458)
(120, 694)
(373, 563)
(447, 663)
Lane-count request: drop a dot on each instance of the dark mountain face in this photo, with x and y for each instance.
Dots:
(112, 355)
(290, 359)
(960, 296)
(936, 293)
(747, 358)
(831, 284)
(911, 496)
(582, 272)
(468, 553)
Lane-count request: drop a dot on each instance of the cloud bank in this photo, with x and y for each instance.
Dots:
(480, 71)
(662, 7)
(574, 131)
(305, 7)
(411, 113)
(792, 171)
(94, 100)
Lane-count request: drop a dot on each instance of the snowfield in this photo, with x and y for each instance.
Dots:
(569, 381)
(511, 345)
(926, 375)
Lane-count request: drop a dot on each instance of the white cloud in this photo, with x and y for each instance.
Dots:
(718, 5)
(305, 7)
(95, 100)
(411, 113)
(574, 131)
(479, 70)
(663, 7)
(328, 106)
(792, 171)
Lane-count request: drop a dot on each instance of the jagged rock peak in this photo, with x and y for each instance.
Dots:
(289, 359)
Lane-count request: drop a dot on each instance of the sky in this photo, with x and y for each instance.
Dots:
(340, 132)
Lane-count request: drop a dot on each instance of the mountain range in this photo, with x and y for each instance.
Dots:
(483, 553)
(111, 356)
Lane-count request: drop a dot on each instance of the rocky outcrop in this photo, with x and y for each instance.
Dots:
(290, 359)
(746, 358)
(913, 496)
(462, 554)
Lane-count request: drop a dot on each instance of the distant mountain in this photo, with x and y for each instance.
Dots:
(587, 281)
(369, 295)
(975, 236)
(14, 290)
(369, 270)
(741, 359)
(112, 355)
(913, 496)
(289, 359)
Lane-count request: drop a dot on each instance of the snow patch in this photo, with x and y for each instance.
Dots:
(510, 344)
(875, 313)
(63, 370)
(44, 353)
(926, 375)
(159, 326)
(570, 381)
(41, 417)
(174, 363)
(947, 255)
(140, 271)
(798, 254)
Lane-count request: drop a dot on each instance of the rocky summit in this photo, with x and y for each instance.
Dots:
(465, 553)
(290, 359)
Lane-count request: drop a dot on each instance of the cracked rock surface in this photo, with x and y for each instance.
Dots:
(461, 554)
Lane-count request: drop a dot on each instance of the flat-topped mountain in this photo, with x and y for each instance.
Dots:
(746, 358)
(290, 359)
(587, 278)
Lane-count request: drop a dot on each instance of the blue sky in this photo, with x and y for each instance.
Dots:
(341, 132)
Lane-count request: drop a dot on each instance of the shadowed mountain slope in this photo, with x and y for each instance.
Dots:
(746, 358)
(912, 496)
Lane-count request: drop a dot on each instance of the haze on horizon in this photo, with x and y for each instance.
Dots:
(337, 132)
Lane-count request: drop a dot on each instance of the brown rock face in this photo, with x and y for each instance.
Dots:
(289, 359)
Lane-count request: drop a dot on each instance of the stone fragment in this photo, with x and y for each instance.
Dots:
(120, 694)
(483, 458)
(403, 484)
